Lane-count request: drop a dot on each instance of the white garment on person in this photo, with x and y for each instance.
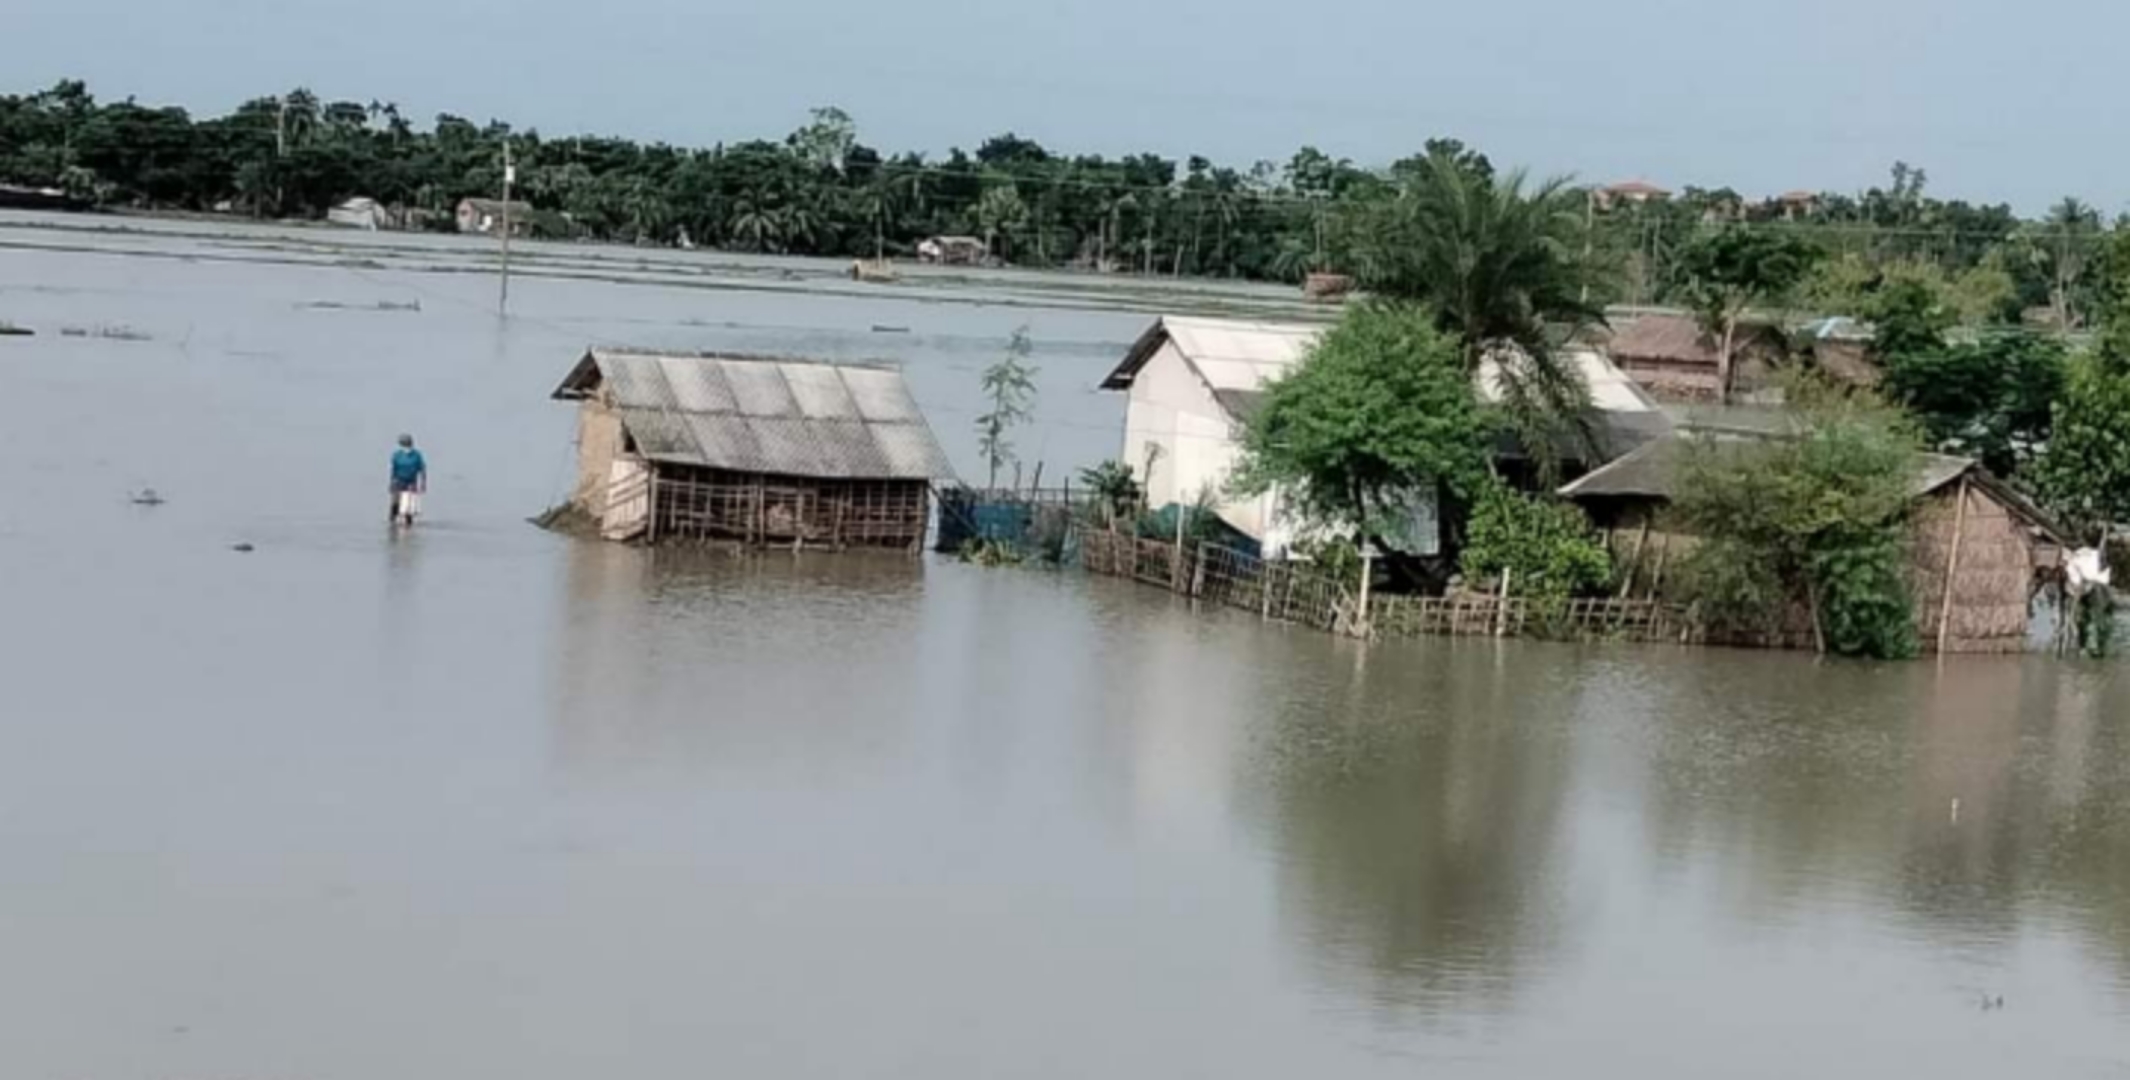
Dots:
(410, 503)
(2086, 569)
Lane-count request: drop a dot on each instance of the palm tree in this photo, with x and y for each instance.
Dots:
(1000, 210)
(2070, 230)
(754, 225)
(1498, 264)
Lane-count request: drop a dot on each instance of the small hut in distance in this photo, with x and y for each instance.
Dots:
(753, 449)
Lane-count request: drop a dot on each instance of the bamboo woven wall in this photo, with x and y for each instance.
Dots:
(1993, 584)
(703, 504)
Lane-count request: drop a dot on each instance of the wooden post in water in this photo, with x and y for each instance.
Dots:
(651, 511)
(1368, 577)
(1198, 573)
(1501, 604)
(1176, 555)
(1952, 567)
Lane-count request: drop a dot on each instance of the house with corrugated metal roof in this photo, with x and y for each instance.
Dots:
(1193, 382)
(761, 450)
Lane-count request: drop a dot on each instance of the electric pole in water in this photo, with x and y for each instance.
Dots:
(510, 177)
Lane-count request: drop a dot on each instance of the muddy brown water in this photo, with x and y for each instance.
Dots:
(484, 801)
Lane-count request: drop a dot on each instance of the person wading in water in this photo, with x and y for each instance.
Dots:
(410, 477)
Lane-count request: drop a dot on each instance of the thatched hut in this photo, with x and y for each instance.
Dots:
(1673, 358)
(1966, 527)
(759, 450)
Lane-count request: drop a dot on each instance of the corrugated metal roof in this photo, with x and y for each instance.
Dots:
(1238, 358)
(1230, 354)
(760, 415)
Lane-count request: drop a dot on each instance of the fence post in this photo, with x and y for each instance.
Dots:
(1368, 574)
(1952, 568)
(1198, 574)
(1176, 555)
(1501, 604)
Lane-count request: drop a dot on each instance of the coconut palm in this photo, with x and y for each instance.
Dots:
(755, 225)
(1499, 263)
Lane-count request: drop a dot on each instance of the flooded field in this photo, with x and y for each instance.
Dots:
(484, 801)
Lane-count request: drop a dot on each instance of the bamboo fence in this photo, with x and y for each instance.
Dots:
(1298, 593)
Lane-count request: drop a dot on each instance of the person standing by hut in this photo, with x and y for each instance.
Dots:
(410, 477)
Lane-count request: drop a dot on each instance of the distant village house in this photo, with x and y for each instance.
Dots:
(1673, 358)
(363, 213)
(486, 216)
(1630, 193)
(954, 251)
(757, 450)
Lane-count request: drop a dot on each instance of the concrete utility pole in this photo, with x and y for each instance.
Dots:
(510, 177)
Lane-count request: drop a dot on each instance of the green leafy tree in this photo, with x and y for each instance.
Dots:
(1379, 413)
(1114, 491)
(1546, 547)
(2085, 472)
(1732, 269)
(1813, 519)
(1009, 388)
(826, 141)
(1909, 316)
(1992, 399)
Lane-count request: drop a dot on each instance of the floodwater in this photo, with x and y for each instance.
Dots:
(484, 801)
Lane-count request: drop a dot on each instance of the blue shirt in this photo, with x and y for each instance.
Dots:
(408, 466)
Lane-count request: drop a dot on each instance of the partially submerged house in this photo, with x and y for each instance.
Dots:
(1673, 358)
(1193, 382)
(1967, 528)
(487, 216)
(954, 250)
(362, 212)
(754, 449)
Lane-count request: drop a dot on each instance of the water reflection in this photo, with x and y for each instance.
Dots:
(699, 656)
(1419, 809)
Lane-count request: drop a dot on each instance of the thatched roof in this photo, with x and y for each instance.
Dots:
(778, 416)
(1679, 339)
(1652, 472)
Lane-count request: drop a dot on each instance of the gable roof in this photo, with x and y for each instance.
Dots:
(1652, 471)
(1235, 360)
(751, 414)
(494, 207)
(1635, 187)
(1675, 339)
(1228, 354)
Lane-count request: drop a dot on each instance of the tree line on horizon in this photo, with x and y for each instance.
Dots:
(820, 190)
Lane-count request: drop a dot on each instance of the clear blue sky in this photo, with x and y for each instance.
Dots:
(1999, 101)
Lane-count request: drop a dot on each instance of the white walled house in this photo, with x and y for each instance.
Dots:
(1192, 382)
